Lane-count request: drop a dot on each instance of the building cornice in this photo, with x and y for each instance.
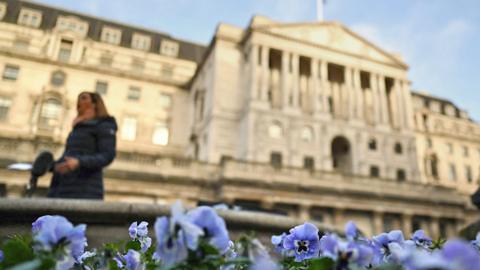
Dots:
(106, 71)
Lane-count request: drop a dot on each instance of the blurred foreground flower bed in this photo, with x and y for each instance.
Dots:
(199, 239)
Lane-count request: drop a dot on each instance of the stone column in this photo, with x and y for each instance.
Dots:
(407, 224)
(349, 93)
(285, 79)
(336, 99)
(377, 222)
(358, 94)
(375, 99)
(265, 74)
(323, 82)
(400, 104)
(253, 58)
(267, 204)
(304, 212)
(408, 105)
(316, 103)
(384, 112)
(434, 228)
(295, 79)
(338, 217)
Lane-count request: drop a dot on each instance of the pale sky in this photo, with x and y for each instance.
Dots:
(439, 39)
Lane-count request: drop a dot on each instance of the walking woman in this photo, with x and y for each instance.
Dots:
(90, 147)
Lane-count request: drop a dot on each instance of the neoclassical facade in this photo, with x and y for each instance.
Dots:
(305, 119)
(448, 143)
(310, 95)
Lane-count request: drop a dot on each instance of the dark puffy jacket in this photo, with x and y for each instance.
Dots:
(93, 143)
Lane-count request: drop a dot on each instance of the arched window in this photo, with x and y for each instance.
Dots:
(58, 78)
(307, 134)
(275, 130)
(50, 113)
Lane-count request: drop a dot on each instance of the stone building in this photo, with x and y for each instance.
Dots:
(306, 119)
(448, 143)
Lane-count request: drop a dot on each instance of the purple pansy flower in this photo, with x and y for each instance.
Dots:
(140, 233)
(132, 260)
(264, 263)
(136, 231)
(213, 226)
(49, 231)
(171, 247)
(380, 245)
(476, 242)
(191, 231)
(421, 239)
(175, 235)
(345, 253)
(277, 241)
(303, 241)
(351, 231)
(461, 255)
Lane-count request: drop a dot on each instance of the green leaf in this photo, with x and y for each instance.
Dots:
(208, 249)
(16, 251)
(438, 244)
(389, 267)
(134, 244)
(112, 265)
(29, 265)
(321, 264)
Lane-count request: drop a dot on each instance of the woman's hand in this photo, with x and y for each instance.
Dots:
(68, 165)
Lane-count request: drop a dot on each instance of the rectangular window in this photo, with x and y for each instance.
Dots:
(3, 10)
(388, 223)
(5, 104)
(169, 48)
(374, 171)
(167, 71)
(141, 42)
(468, 174)
(449, 148)
(133, 93)
(138, 65)
(401, 175)
(65, 50)
(452, 172)
(101, 87)
(29, 17)
(276, 160)
(309, 163)
(11, 72)
(160, 133)
(129, 128)
(165, 100)
(72, 24)
(465, 151)
(372, 144)
(111, 35)
(106, 59)
(429, 143)
(21, 44)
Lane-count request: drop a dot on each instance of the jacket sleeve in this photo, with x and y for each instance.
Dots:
(106, 144)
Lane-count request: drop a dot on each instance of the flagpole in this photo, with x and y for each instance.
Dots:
(320, 10)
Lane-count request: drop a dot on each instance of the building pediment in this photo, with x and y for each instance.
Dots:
(331, 35)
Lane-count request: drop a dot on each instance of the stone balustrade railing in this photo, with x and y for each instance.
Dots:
(109, 221)
(259, 173)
